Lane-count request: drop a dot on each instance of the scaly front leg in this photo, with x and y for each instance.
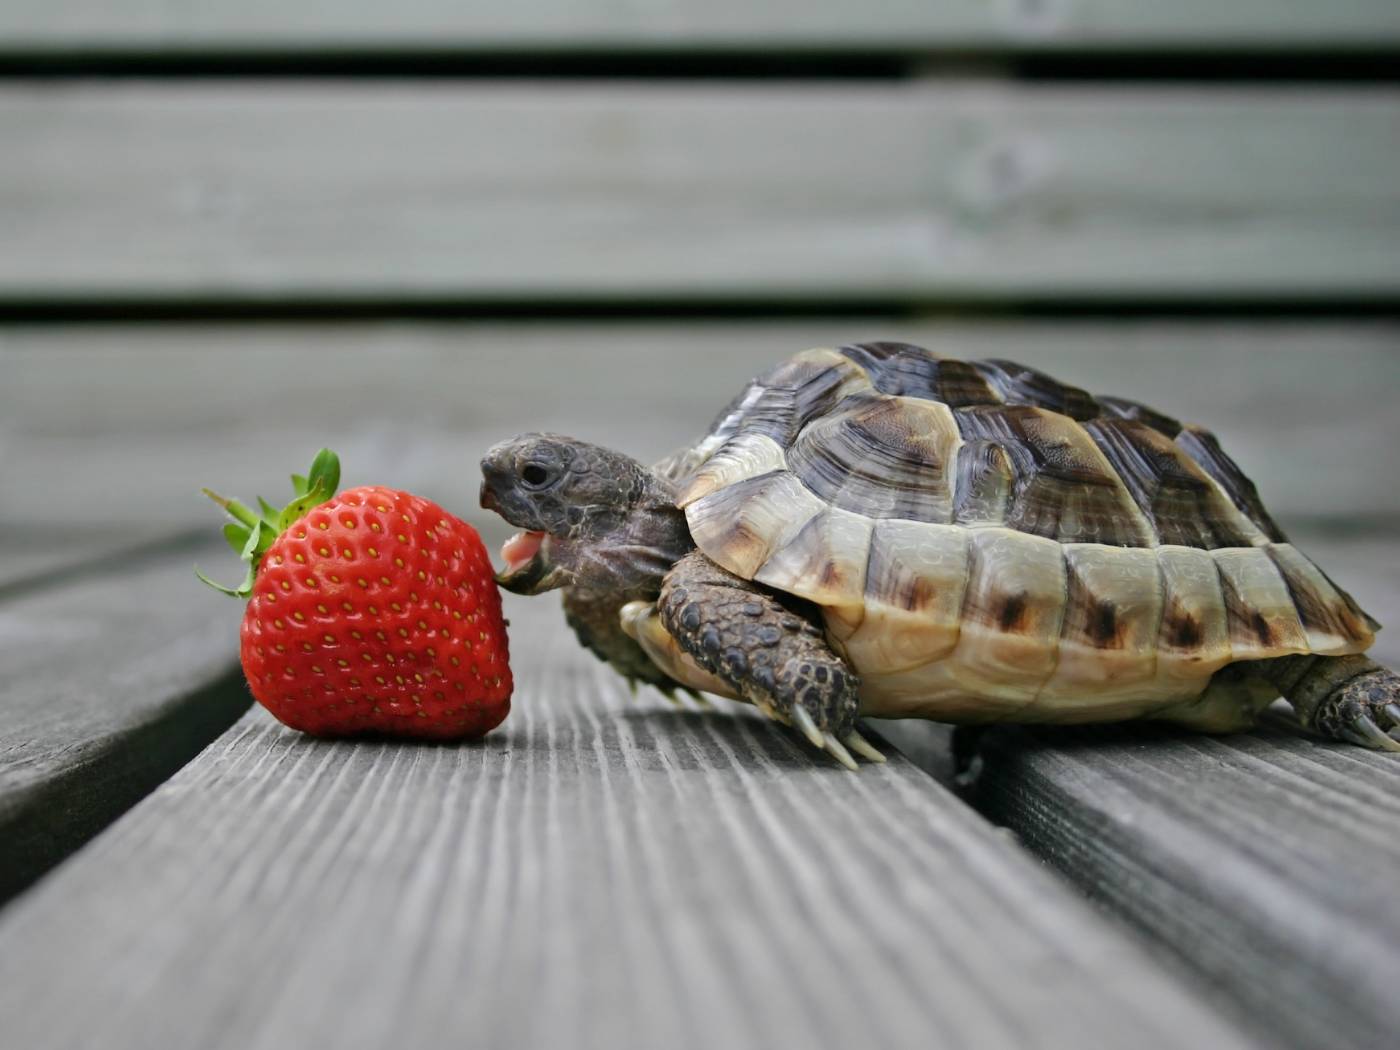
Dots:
(771, 655)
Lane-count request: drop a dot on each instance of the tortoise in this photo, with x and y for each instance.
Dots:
(880, 530)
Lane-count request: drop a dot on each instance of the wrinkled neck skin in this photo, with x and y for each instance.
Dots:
(626, 564)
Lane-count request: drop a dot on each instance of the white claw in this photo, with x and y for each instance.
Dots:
(864, 748)
(1368, 734)
(802, 718)
(674, 700)
(701, 701)
(838, 751)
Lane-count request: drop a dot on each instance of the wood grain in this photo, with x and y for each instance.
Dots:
(143, 415)
(155, 26)
(109, 682)
(602, 872)
(274, 192)
(47, 554)
(1264, 862)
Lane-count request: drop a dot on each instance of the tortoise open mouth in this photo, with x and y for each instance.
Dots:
(525, 563)
(528, 569)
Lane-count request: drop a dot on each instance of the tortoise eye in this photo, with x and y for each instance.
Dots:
(534, 475)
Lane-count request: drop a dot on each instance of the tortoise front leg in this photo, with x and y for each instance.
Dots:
(769, 654)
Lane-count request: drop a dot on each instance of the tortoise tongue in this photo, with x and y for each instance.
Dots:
(517, 551)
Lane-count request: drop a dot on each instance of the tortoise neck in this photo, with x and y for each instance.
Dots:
(628, 564)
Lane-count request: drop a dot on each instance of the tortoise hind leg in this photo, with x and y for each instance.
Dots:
(769, 654)
(1350, 698)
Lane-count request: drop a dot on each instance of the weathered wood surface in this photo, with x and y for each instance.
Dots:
(1265, 862)
(940, 191)
(109, 682)
(145, 414)
(601, 872)
(570, 25)
(43, 554)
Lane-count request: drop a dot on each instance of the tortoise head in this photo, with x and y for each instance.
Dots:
(588, 516)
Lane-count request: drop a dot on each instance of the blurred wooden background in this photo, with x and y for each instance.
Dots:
(231, 233)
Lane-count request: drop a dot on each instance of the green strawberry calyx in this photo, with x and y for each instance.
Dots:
(252, 532)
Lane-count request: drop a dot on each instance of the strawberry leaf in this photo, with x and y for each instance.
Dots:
(241, 591)
(295, 509)
(324, 472)
(237, 536)
(251, 549)
(252, 533)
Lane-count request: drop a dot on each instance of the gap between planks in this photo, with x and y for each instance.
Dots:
(432, 27)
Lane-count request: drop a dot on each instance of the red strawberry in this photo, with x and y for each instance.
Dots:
(373, 611)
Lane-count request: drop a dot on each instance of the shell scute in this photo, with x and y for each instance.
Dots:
(800, 389)
(740, 525)
(1122, 408)
(1011, 612)
(824, 562)
(902, 370)
(1330, 618)
(881, 457)
(915, 578)
(1183, 505)
(1259, 611)
(1108, 636)
(1022, 385)
(1203, 447)
(1064, 488)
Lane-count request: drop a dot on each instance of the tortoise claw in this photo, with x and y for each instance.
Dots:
(838, 751)
(803, 720)
(771, 712)
(864, 748)
(1361, 730)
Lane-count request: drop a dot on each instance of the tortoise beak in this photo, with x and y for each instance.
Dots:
(529, 574)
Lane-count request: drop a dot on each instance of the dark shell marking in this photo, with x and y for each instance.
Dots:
(903, 370)
(1185, 509)
(880, 481)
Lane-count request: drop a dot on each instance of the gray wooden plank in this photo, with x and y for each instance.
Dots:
(601, 872)
(139, 416)
(46, 554)
(1264, 862)
(896, 25)
(109, 682)
(511, 192)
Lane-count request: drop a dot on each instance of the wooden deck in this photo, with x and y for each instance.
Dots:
(213, 263)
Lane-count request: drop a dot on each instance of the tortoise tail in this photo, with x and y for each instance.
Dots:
(1349, 698)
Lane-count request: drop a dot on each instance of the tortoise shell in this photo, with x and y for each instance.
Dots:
(986, 542)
